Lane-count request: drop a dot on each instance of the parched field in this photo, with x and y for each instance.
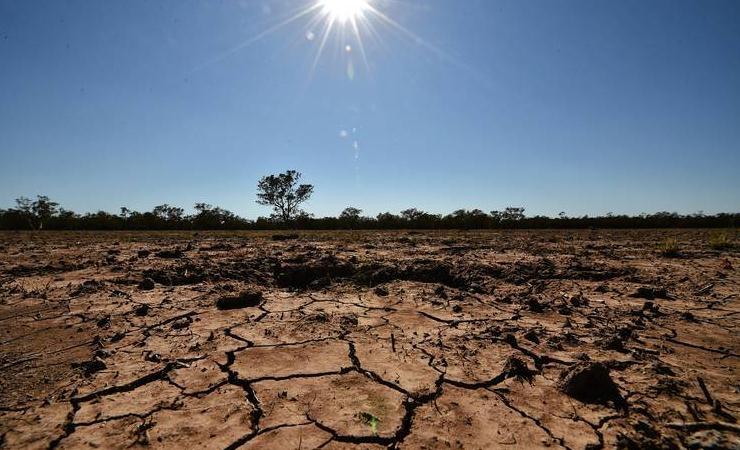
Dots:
(512, 340)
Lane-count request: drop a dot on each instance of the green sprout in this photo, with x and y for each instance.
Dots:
(370, 420)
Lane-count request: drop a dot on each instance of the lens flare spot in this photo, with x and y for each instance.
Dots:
(350, 70)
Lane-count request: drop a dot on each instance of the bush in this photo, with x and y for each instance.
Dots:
(720, 240)
(669, 248)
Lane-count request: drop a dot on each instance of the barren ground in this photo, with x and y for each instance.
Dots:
(515, 340)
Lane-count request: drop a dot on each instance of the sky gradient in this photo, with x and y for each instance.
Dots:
(587, 106)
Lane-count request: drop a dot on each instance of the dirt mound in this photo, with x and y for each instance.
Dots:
(315, 273)
(170, 253)
(147, 284)
(650, 293)
(284, 237)
(375, 273)
(246, 298)
(589, 382)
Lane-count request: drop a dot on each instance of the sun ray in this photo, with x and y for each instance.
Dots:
(420, 41)
(358, 38)
(301, 13)
(347, 23)
(327, 31)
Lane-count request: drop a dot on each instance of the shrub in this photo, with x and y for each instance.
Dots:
(669, 247)
(720, 240)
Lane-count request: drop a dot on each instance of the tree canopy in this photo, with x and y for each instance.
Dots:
(284, 194)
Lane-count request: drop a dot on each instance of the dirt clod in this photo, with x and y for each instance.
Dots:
(515, 367)
(246, 298)
(170, 254)
(381, 291)
(147, 284)
(142, 310)
(588, 382)
(650, 293)
(96, 364)
(284, 237)
(181, 323)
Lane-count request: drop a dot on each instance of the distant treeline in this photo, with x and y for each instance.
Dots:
(44, 214)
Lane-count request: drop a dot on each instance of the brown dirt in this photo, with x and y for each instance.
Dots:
(557, 339)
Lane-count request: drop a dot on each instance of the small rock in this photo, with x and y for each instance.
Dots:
(143, 253)
(153, 357)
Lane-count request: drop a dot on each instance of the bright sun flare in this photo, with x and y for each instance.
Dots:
(344, 10)
(347, 20)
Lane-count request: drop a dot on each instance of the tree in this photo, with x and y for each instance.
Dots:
(24, 208)
(213, 217)
(350, 213)
(513, 214)
(350, 216)
(412, 214)
(168, 213)
(284, 194)
(37, 212)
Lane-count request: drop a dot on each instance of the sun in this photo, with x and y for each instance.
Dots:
(349, 21)
(344, 10)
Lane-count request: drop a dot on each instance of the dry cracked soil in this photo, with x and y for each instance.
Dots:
(515, 340)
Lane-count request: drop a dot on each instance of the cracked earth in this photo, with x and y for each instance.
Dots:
(516, 340)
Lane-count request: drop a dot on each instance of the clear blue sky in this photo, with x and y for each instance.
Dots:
(584, 106)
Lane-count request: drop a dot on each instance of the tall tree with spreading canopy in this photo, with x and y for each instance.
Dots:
(284, 194)
(350, 216)
(37, 212)
(350, 213)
